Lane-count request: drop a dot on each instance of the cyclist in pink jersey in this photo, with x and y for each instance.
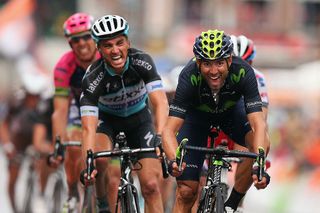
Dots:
(68, 74)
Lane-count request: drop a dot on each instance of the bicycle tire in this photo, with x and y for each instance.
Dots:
(129, 202)
(207, 200)
(219, 200)
(89, 204)
(58, 197)
(27, 202)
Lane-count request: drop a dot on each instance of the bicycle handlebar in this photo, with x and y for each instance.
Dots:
(122, 152)
(222, 152)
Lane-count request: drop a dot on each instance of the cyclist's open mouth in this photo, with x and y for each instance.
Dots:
(215, 77)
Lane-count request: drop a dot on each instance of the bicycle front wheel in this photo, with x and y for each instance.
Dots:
(207, 200)
(219, 199)
(129, 201)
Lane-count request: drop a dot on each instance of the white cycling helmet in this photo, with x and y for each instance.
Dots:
(243, 47)
(108, 27)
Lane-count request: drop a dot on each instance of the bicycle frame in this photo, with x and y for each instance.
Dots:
(214, 193)
(127, 192)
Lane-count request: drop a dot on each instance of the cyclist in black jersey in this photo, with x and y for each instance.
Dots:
(208, 93)
(115, 91)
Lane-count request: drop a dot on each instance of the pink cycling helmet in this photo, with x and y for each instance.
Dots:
(77, 23)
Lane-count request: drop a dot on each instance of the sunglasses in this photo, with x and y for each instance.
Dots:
(76, 39)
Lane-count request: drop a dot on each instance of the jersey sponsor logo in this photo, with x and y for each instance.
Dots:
(142, 63)
(195, 80)
(177, 109)
(95, 83)
(253, 104)
(124, 95)
(194, 166)
(236, 78)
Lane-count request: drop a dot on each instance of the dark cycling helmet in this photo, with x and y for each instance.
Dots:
(212, 45)
(77, 23)
(243, 47)
(108, 27)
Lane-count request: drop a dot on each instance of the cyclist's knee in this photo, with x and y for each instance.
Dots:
(186, 193)
(150, 187)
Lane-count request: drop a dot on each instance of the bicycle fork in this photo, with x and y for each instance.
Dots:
(214, 193)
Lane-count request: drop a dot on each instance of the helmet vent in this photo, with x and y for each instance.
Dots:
(211, 44)
(115, 23)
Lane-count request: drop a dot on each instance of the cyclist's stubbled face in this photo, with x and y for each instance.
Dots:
(115, 52)
(214, 72)
(83, 46)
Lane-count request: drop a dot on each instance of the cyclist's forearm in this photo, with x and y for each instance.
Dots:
(260, 138)
(89, 125)
(161, 110)
(170, 144)
(161, 115)
(59, 124)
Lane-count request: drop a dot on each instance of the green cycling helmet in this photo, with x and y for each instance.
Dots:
(212, 45)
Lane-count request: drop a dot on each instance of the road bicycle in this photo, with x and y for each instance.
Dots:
(28, 181)
(56, 187)
(127, 192)
(213, 194)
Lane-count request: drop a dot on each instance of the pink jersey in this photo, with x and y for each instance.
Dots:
(68, 75)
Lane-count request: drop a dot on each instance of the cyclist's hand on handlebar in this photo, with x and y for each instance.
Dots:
(85, 180)
(173, 168)
(265, 179)
(54, 162)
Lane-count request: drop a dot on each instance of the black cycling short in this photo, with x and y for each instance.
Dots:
(196, 128)
(138, 129)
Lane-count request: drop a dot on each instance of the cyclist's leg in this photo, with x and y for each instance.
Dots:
(167, 187)
(150, 175)
(13, 169)
(188, 183)
(72, 163)
(113, 180)
(149, 178)
(106, 187)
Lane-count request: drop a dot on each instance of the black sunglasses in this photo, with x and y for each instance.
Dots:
(76, 39)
